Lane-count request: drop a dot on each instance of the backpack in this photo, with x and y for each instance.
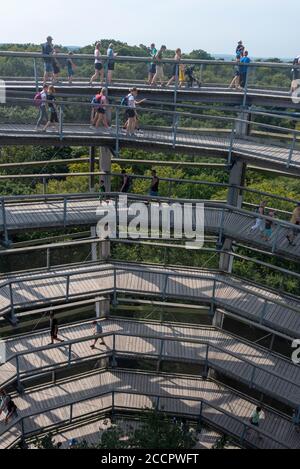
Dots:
(124, 101)
(38, 99)
(95, 102)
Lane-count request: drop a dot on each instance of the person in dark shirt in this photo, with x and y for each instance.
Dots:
(47, 50)
(154, 184)
(240, 49)
(54, 329)
(125, 182)
(53, 120)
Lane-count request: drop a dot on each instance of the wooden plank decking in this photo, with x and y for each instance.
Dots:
(135, 390)
(80, 134)
(256, 303)
(227, 353)
(38, 215)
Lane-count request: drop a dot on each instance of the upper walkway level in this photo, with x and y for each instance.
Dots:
(211, 79)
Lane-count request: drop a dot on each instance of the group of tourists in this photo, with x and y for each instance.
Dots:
(241, 68)
(265, 226)
(45, 101)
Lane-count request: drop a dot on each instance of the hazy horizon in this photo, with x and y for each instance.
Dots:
(196, 25)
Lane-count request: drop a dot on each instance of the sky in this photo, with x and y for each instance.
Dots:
(269, 28)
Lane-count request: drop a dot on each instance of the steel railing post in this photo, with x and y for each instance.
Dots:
(4, 221)
(175, 126)
(36, 78)
(213, 299)
(253, 377)
(71, 413)
(292, 149)
(277, 231)
(117, 131)
(61, 122)
(65, 211)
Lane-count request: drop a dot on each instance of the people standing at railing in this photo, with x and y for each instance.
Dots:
(260, 224)
(70, 67)
(152, 66)
(245, 61)
(53, 120)
(47, 50)
(159, 75)
(268, 229)
(98, 334)
(101, 110)
(99, 69)
(294, 232)
(236, 81)
(55, 65)
(111, 63)
(176, 69)
(240, 49)
(54, 329)
(154, 188)
(40, 101)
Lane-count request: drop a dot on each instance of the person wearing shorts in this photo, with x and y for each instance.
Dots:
(99, 70)
(175, 75)
(159, 75)
(152, 66)
(47, 50)
(131, 111)
(111, 63)
(101, 110)
(53, 120)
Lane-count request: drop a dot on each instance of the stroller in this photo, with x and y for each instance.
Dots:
(191, 79)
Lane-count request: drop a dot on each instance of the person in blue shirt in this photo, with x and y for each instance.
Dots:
(244, 68)
(111, 63)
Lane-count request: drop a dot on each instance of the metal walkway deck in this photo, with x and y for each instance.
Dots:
(246, 362)
(222, 408)
(79, 134)
(278, 311)
(235, 223)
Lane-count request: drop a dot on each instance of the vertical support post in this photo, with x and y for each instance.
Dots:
(44, 186)
(175, 126)
(246, 86)
(65, 211)
(61, 121)
(292, 149)
(69, 354)
(18, 373)
(231, 144)
(212, 305)
(92, 153)
(117, 131)
(252, 386)
(162, 345)
(94, 248)
(6, 239)
(36, 78)
(115, 300)
(12, 305)
(48, 259)
(263, 312)
(71, 413)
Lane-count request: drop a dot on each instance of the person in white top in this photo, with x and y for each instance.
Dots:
(99, 70)
(131, 111)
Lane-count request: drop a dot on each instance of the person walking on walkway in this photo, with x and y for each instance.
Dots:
(131, 114)
(54, 329)
(111, 63)
(294, 232)
(40, 101)
(175, 76)
(7, 406)
(256, 417)
(152, 66)
(268, 230)
(99, 70)
(98, 333)
(47, 51)
(159, 75)
(101, 111)
(53, 121)
(154, 188)
(259, 224)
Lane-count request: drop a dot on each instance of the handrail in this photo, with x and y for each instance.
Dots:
(114, 268)
(150, 336)
(145, 59)
(245, 424)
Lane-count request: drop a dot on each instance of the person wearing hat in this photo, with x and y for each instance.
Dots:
(47, 50)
